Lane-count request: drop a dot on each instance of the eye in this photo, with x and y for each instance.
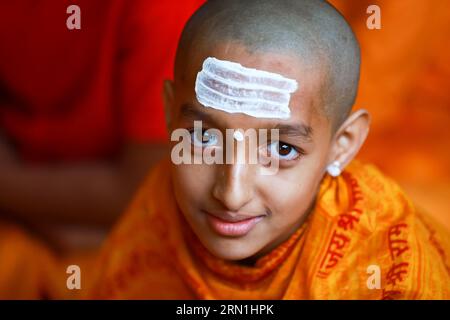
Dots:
(203, 138)
(283, 150)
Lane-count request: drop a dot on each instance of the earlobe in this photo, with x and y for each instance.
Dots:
(168, 99)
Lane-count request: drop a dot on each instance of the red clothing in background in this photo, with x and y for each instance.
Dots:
(73, 95)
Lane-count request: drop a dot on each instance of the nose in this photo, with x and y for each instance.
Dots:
(234, 185)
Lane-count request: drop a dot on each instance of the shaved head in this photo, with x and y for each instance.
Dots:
(311, 30)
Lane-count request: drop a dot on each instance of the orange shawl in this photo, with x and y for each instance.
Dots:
(30, 270)
(361, 220)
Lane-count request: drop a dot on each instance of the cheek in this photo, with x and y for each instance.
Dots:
(296, 200)
(291, 192)
(192, 184)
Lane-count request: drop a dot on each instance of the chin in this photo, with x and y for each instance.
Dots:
(230, 249)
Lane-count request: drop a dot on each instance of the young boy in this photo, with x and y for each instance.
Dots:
(316, 225)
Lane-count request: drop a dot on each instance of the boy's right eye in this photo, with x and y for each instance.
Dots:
(203, 138)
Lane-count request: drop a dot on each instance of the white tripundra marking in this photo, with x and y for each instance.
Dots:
(230, 87)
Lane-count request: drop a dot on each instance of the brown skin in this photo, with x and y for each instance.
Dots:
(286, 198)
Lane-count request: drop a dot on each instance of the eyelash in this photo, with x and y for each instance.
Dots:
(299, 152)
(192, 134)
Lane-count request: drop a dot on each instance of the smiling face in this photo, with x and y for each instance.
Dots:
(235, 211)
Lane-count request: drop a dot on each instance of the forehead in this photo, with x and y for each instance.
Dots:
(305, 103)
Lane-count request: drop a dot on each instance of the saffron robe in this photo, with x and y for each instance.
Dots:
(30, 270)
(363, 240)
(27, 267)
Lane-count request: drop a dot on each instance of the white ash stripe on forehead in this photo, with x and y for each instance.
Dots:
(258, 109)
(235, 72)
(230, 87)
(242, 92)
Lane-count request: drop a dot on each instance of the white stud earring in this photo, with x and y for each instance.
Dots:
(334, 169)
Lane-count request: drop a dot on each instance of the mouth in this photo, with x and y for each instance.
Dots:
(231, 224)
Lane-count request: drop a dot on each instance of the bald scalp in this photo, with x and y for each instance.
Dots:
(312, 30)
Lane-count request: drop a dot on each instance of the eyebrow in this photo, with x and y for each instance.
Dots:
(303, 131)
(298, 130)
(188, 111)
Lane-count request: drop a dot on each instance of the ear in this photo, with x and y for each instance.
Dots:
(169, 102)
(350, 137)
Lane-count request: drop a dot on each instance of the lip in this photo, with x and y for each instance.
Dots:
(232, 224)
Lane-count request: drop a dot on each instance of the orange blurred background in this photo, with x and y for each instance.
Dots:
(405, 73)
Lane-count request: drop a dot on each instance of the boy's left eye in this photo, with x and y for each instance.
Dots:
(283, 150)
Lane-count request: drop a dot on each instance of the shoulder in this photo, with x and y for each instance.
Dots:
(411, 249)
(389, 241)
